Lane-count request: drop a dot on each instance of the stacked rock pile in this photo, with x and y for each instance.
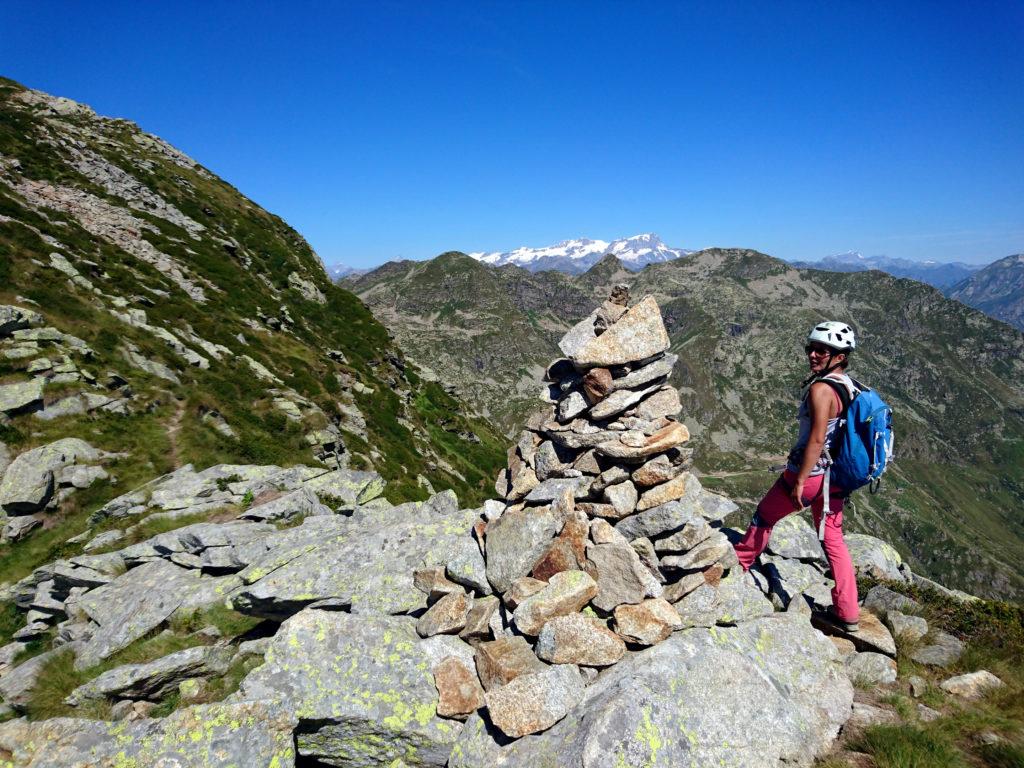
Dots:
(602, 542)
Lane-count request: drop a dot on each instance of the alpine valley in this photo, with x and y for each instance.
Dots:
(953, 505)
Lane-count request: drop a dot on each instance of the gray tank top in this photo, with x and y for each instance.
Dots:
(796, 455)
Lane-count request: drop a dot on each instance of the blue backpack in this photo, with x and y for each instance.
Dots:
(862, 444)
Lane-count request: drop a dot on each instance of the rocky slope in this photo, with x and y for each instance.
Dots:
(304, 620)
(150, 308)
(997, 290)
(737, 320)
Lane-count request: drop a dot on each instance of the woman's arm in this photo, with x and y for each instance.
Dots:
(820, 402)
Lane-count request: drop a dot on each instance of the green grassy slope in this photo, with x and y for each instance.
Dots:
(243, 259)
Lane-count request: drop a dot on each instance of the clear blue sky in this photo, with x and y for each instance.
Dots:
(386, 129)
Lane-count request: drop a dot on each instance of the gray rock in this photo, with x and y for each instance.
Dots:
(16, 684)
(705, 554)
(533, 703)
(366, 562)
(911, 628)
(740, 600)
(514, 542)
(622, 497)
(29, 482)
(154, 679)
(140, 600)
(360, 687)
(664, 402)
(253, 734)
(865, 715)
(871, 668)
(14, 318)
(551, 460)
(658, 521)
(788, 578)
(874, 557)
(881, 600)
(943, 651)
(103, 540)
(621, 577)
(696, 531)
(700, 608)
(619, 401)
(571, 406)
(971, 686)
(297, 503)
(17, 528)
(794, 538)
(675, 704)
(659, 369)
(21, 397)
(552, 489)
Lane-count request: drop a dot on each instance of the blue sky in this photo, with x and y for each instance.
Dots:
(384, 129)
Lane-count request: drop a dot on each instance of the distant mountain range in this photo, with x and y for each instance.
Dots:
(997, 290)
(339, 271)
(942, 275)
(575, 257)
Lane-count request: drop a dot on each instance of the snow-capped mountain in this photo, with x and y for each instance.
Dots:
(339, 271)
(942, 275)
(577, 256)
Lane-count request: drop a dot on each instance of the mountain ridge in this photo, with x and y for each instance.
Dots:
(737, 319)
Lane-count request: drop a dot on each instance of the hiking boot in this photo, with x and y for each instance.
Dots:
(829, 616)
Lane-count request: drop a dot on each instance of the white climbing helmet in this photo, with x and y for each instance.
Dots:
(835, 334)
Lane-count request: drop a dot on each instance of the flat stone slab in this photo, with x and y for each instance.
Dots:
(140, 600)
(154, 679)
(22, 396)
(366, 562)
(254, 734)
(361, 688)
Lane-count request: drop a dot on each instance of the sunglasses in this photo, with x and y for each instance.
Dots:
(813, 350)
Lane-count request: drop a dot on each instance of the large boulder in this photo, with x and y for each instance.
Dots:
(360, 686)
(30, 480)
(690, 701)
(253, 734)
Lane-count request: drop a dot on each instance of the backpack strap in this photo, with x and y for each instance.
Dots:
(840, 388)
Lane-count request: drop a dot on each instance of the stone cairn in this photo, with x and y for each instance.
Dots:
(602, 542)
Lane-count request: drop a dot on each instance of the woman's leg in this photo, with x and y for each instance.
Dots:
(775, 505)
(844, 594)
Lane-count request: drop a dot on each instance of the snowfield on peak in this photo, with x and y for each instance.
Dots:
(577, 256)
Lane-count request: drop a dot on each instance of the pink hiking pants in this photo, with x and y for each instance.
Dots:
(775, 505)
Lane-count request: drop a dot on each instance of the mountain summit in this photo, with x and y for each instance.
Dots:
(577, 256)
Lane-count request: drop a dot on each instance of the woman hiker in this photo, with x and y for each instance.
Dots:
(828, 349)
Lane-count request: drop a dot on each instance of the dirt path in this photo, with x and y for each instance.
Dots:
(172, 432)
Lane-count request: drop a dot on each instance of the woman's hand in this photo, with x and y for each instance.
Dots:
(796, 494)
